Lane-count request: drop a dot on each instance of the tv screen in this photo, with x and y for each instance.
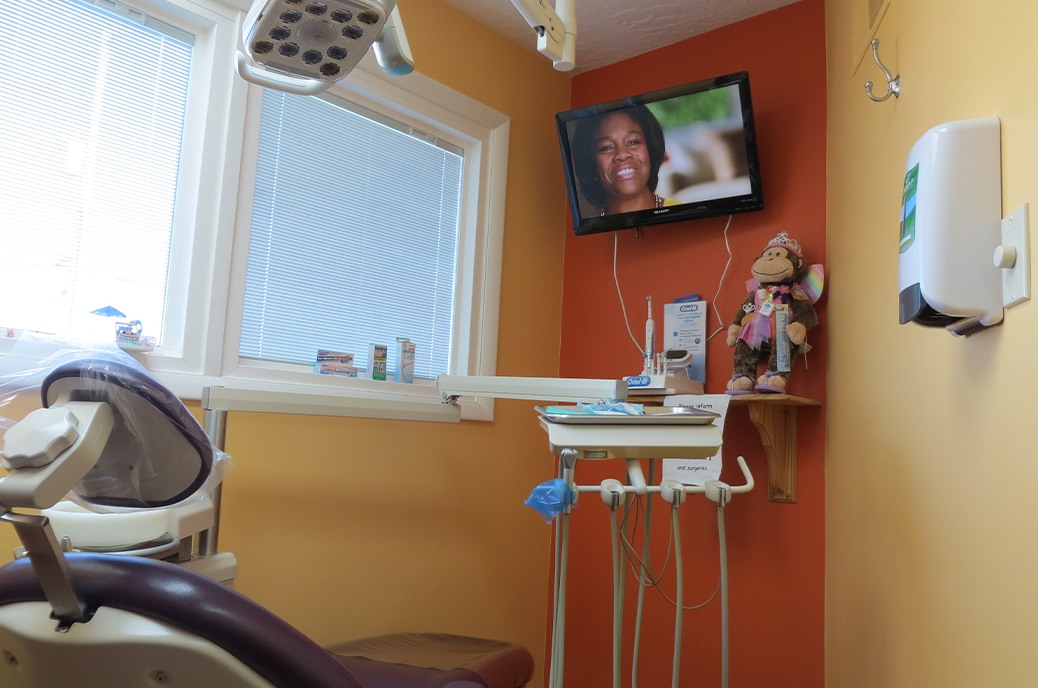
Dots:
(681, 153)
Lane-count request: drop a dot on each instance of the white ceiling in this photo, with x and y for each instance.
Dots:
(609, 31)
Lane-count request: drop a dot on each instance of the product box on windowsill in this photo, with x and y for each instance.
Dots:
(378, 355)
(404, 371)
(335, 363)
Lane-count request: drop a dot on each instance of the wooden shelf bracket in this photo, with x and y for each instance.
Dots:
(775, 417)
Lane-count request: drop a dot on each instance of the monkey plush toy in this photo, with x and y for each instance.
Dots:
(773, 321)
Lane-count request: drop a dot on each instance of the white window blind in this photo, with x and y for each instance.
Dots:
(129, 180)
(354, 236)
(88, 163)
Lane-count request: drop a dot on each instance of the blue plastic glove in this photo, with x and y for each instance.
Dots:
(551, 498)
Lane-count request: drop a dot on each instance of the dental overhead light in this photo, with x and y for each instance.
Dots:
(556, 29)
(305, 46)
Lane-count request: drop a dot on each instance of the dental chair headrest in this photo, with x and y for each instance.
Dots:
(157, 454)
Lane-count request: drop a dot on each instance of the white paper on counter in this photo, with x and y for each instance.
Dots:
(697, 471)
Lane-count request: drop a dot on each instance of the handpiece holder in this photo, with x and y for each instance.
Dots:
(672, 491)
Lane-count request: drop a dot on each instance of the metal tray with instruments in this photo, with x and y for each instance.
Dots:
(654, 415)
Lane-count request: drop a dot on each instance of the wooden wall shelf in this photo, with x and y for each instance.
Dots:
(775, 417)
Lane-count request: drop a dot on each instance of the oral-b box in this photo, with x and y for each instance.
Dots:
(684, 327)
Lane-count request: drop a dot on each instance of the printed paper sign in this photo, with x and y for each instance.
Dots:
(697, 471)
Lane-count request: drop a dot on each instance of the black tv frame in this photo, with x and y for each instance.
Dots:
(586, 220)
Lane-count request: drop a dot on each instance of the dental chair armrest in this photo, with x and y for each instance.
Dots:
(196, 604)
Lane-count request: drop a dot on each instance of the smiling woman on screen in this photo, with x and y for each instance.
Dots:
(618, 157)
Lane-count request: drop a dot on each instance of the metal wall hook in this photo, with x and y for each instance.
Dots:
(893, 82)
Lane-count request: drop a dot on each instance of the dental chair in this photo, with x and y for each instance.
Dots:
(113, 440)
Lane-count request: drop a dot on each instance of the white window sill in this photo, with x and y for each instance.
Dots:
(275, 389)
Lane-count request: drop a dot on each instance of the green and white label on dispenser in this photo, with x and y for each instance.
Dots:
(908, 202)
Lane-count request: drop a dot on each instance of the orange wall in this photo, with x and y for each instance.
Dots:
(776, 551)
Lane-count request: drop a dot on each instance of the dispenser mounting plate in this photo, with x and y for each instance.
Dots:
(1016, 279)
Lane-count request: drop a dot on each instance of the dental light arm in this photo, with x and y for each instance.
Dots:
(538, 388)
(556, 29)
(305, 48)
(392, 51)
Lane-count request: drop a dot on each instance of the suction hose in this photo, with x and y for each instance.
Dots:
(558, 626)
(679, 602)
(567, 462)
(723, 547)
(617, 599)
(643, 577)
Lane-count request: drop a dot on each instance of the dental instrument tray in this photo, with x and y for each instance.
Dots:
(654, 415)
(676, 432)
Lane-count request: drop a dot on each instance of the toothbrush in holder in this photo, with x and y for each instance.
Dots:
(650, 340)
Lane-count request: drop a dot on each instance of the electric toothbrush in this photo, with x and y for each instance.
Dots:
(650, 341)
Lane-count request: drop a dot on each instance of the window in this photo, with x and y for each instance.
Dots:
(245, 228)
(89, 171)
(359, 226)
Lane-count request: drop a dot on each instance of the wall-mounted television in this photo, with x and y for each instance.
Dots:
(680, 153)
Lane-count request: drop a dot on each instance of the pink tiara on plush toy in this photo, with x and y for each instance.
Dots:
(783, 240)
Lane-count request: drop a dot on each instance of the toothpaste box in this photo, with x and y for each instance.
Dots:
(334, 363)
(377, 359)
(337, 356)
(329, 368)
(684, 327)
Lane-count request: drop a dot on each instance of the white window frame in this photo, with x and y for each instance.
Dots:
(213, 218)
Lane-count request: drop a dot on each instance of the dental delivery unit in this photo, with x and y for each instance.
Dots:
(601, 426)
(124, 577)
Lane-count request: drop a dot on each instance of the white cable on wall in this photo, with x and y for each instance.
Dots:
(720, 283)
